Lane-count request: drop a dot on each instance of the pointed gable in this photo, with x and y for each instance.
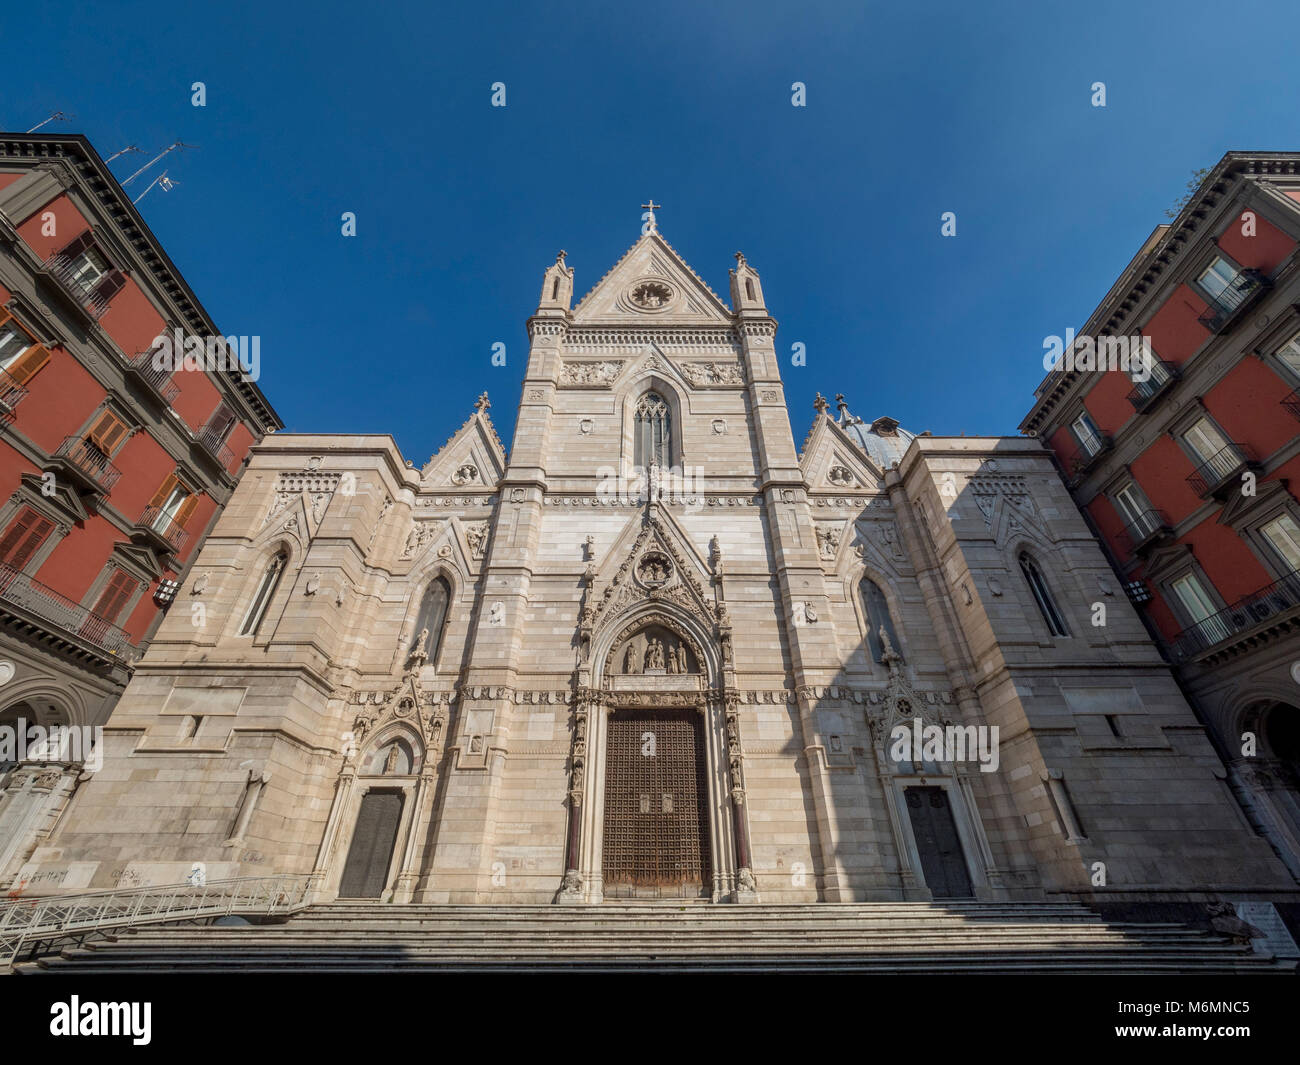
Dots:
(473, 457)
(651, 284)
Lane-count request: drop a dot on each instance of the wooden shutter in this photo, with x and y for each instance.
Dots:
(186, 510)
(107, 432)
(78, 244)
(28, 364)
(25, 535)
(221, 422)
(110, 286)
(164, 492)
(114, 596)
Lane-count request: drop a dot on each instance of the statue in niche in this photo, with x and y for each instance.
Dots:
(631, 660)
(390, 763)
(654, 654)
(672, 659)
(682, 661)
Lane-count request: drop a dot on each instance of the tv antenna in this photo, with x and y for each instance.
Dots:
(128, 148)
(169, 148)
(162, 181)
(58, 116)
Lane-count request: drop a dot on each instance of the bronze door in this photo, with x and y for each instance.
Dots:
(656, 841)
(942, 860)
(365, 875)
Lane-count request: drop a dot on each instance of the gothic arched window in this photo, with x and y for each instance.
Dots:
(432, 618)
(876, 609)
(1043, 596)
(653, 431)
(265, 592)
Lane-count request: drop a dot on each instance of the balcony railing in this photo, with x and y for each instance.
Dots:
(161, 527)
(1144, 530)
(11, 392)
(1292, 403)
(159, 381)
(1082, 459)
(21, 590)
(212, 438)
(1269, 602)
(1145, 393)
(1214, 473)
(1232, 302)
(61, 267)
(85, 459)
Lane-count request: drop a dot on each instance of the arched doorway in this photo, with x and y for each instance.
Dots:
(387, 773)
(1269, 777)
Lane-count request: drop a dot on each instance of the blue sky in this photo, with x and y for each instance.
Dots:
(912, 110)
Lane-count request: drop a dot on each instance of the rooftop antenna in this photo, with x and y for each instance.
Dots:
(58, 116)
(169, 148)
(162, 181)
(128, 148)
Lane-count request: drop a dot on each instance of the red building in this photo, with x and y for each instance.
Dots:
(1190, 476)
(113, 467)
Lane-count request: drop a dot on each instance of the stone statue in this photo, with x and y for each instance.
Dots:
(654, 655)
(672, 659)
(390, 763)
(681, 659)
(631, 661)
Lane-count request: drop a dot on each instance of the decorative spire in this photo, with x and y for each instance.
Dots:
(820, 405)
(650, 208)
(482, 403)
(841, 407)
(559, 259)
(740, 259)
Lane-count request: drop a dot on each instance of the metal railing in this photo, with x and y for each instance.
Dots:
(1247, 612)
(213, 439)
(11, 392)
(1142, 529)
(88, 458)
(1223, 309)
(160, 380)
(1146, 392)
(1292, 403)
(1082, 458)
(1219, 468)
(21, 590)
(62, 267)
(55, 916)
(163, 526)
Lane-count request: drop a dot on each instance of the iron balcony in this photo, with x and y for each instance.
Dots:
(1223, 310)
(1218, 471)
(1145, 530)
(59, 613)
(1269, 602)
(84, 462)
(1145, 393)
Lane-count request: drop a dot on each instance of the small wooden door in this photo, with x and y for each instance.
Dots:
(942, 860)
(365, 875)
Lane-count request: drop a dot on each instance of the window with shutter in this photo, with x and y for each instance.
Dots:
(114, 597)
(23, 537)
(107, 432)
(20, 356)
(164, 491)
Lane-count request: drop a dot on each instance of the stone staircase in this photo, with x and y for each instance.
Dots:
(955, 937)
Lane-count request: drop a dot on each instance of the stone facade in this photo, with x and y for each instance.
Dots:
(726, 580)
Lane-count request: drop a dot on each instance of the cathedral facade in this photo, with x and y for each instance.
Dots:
(657, 652)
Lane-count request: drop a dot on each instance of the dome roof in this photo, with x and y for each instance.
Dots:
(883, 439)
